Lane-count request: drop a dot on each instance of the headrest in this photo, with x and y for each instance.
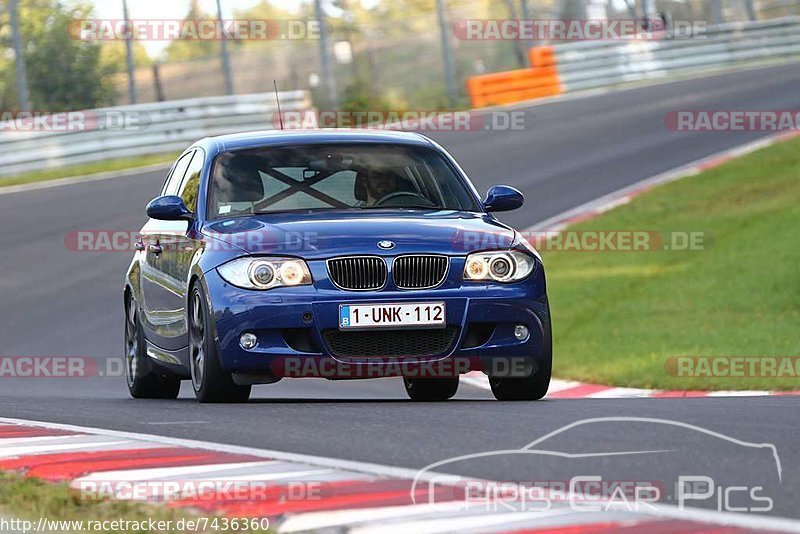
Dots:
(360, 185)
(238, 180)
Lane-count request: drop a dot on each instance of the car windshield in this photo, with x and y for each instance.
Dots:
(335, 176)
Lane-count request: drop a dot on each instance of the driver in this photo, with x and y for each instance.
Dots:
(380, 183)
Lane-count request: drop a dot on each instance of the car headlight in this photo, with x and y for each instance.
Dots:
(499, 266)
(265, 273)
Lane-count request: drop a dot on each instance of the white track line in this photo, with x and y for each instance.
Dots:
(622, 393)
(164, 473)
(30, 450)
(739, 393)
(720, 518)
(70, 180)
(31, 440)
(308, 459)
(621, 196)
(341, 518)
(446, 525)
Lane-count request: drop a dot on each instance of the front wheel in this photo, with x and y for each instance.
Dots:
(144, 380)
(532, 387)
(431, 389)
(210, 382)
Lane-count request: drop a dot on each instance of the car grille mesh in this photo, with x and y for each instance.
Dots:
(358, 273)
(419, 272)
(390, 343)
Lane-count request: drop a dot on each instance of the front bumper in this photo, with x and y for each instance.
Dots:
(291, 326)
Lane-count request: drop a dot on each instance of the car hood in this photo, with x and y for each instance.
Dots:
(317, 235)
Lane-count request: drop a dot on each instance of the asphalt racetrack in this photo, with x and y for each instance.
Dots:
(56, 302)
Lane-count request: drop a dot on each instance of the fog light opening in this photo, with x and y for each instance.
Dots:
(248, 341)
(521, 332)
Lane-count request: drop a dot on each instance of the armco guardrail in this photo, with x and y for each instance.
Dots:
(591, 64)
(140, 129)
(586, 65)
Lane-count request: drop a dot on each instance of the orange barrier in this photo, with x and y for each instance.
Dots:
(517, 85)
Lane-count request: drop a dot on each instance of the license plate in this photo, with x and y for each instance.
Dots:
(427, 314)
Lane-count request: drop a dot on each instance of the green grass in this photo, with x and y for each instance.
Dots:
(86, 169)
(31, 499)
(619, 316)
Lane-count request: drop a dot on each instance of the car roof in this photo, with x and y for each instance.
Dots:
(244, 140)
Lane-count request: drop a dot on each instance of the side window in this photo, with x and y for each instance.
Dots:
(174, 181)
(191, 183)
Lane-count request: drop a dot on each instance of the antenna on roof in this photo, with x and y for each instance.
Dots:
(278, 100)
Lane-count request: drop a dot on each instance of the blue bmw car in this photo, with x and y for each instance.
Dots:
(341, 254)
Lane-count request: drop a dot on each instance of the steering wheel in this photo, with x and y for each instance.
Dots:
(410, 199)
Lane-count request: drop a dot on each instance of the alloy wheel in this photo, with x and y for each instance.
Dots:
(131, 343)
(197, 342)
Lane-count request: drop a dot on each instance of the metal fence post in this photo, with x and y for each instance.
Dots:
(716, 11)
(332, 97)
(129, 55)
(19, 58)
(447, 54)
(226, 63)
(751, 10)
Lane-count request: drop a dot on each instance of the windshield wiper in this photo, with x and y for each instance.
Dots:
(408, 207)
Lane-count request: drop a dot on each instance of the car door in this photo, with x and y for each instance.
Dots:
(180, 241)
(160, 295)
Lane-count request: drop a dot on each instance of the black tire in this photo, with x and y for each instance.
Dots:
(533, 387)
(430, 389)
(145, 381)
(210, 382)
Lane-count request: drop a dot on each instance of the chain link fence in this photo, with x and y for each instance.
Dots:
(397, 64)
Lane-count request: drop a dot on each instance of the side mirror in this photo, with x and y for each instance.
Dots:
(168, 208)
(503, 198)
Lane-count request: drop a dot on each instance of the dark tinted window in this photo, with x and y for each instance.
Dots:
(191, 182)
(174, 181)
(342, 176)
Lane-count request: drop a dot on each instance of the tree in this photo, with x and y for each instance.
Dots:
(189, 48)
(64, 73)
(112, 56)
